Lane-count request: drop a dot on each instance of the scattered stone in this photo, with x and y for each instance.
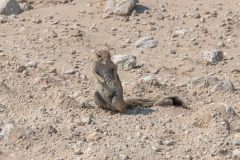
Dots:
(70, 71)
(214, 82)
(230, 111)
(9, 7)
(2, 108)
(5, 132)
(236, 142)
(37, 20)
(94, 136)
(120, 7)
(28, 132)
(31, 64)
(168, 143)
(213, 56)
(236, 154)
(21, 68)
(180, 30)
(125, 62)
(150, 79)
(87, 119)
(146, 42)
(78, 151)
(76, 33)
(52, 130)
(173, 51)
(225, 85)
(124, 157)
(196, 15)
(25, 6)
(3, 19)
(156, 148)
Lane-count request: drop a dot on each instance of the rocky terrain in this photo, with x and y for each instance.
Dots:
(162, 47)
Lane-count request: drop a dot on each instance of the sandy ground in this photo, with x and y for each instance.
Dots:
(47, 109)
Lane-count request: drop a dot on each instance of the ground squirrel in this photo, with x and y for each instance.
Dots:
(109, 90)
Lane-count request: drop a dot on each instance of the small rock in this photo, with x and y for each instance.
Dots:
(3, 19)
(196, 15)
(5, 132)
(146, 42)
(124, 157)
(20, 68)
(213, 56)
(156, 148)
(125, 62)
(78, 151)
(28, 132)
(37, 20)
(31, 64)
(92, 137)
(25, 6)
(224, 85)
(52, 130)
(2, 108)
(230, 111)
(76, 33)
(168, 143)
(173, 51)
(87, 119)
(70, 71)
(236, 142)
(151, 80)
(236, 154)
(120, 7)
(210, 81)
(9, 7)
(180, 30)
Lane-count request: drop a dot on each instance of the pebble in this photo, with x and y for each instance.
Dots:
(236, 142)
(31, 64)
(52, 130)
(150, 79)
(78, 151)
(173, 51)
(156, 148)
(94, 136)
(230, 111)
(20, 68)
(70, 71)
(236, 154)
(146, 42)
(120, 7)
(5, 132)
(168, 143)
(124, 157)
(213, 56)
(87, 119)
(125, 62)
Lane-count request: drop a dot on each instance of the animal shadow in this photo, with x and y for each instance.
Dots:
(139, 111)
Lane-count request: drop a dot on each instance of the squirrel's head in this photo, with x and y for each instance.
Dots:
(103, 56)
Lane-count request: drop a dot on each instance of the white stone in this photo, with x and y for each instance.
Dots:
(31, 64)
(146, 42)
(236, 154)
(6, 131)
(125, 62)
(213, 56)
(120, 7)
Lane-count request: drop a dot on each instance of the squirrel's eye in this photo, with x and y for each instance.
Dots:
(99, 56)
